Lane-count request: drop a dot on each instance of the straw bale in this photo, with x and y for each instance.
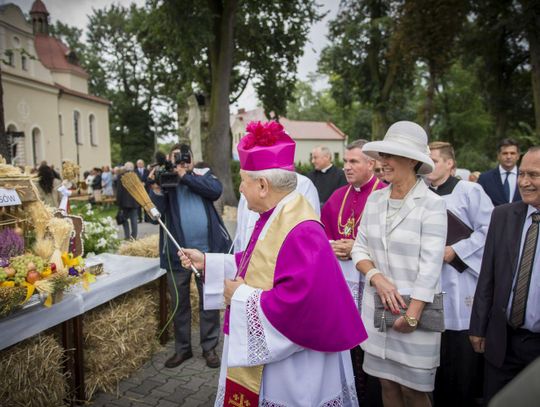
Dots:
(149, 247)
(119, 337)
(31, 374)
(229, 213)
(146, 247)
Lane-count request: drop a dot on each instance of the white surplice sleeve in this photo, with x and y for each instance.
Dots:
(477, 214)
(218, 267)
(252, 339)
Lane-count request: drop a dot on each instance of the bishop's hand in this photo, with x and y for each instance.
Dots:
(230, 287)
(342, 248)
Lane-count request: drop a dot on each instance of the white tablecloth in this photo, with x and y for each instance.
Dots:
(121, 274)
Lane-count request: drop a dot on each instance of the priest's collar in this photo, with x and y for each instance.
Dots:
(446, 187)
(366, 185)
(265, 215)
(326, 169)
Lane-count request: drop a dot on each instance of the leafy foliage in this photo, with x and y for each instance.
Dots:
(100, 232)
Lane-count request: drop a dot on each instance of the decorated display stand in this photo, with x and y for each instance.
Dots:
(69, 325)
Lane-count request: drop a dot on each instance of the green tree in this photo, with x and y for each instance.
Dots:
(217, 46)
(462, 117)
(429, 31)
(354, 120)
(126, 75)
(494, 33)
(365, 62)
(531, 21)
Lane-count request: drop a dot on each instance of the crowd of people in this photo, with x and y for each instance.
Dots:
(391, 282)
(441, 271)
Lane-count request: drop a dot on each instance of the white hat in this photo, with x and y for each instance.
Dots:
(404, 139)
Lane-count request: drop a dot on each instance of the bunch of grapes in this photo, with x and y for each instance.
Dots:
(3, 275)
(20, 264)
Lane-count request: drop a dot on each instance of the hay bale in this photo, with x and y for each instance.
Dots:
(31, 374)
(119, 337)
(229, 213)
(149, 247)
(146, 247)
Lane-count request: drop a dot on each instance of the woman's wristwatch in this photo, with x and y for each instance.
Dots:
(411, 321)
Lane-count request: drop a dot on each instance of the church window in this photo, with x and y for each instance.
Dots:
(24, 63)
(77, 127)
(92, 129)
(9, 59)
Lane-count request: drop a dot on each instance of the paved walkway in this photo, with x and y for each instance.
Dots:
(192, 384)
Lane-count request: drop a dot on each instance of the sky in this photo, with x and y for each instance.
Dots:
(75, 12)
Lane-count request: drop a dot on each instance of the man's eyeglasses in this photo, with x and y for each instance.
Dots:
(378, 170)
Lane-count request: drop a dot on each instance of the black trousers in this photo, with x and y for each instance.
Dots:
(209, 319)
(368, 388)
(459, 376)
(522, 348)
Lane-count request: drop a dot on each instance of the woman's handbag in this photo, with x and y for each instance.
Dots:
(120, 217)
(432, 318)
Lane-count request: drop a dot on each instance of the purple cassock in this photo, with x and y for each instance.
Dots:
(310, 303)
(344, 204)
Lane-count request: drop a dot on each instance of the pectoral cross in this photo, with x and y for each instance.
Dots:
(238, 401)
(347, 231)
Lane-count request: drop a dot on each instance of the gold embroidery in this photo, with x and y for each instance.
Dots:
(239, 401)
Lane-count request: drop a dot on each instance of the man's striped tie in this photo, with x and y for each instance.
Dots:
(521, 289)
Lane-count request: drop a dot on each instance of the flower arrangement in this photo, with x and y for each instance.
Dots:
(11, 244)
(100, 232)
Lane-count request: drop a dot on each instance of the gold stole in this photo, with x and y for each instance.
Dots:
(260, 274)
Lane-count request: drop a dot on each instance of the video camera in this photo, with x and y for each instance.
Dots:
(166, 175)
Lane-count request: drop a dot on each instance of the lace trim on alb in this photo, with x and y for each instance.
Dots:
(258, 351)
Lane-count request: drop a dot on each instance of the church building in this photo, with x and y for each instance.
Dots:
(49, 113)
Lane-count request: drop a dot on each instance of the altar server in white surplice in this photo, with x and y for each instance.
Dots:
(457, 381)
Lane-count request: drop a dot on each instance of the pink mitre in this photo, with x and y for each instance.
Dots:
(266, 146)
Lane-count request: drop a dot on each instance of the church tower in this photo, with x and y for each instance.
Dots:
(40, 18)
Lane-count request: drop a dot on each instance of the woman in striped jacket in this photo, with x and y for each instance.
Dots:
(399, 248)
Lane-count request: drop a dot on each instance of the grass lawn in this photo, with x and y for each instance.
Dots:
(78, 207)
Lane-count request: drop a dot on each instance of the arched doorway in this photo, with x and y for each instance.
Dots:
(16, 141)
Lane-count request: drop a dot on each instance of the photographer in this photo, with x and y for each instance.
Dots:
(184, 196)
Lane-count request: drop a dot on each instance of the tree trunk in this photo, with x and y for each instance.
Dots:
(4, 142)
(221, 58)
(379, 123)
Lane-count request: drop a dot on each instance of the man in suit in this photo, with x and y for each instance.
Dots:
(142, 172)
(505, 320)
(326, 177)
(501, 183)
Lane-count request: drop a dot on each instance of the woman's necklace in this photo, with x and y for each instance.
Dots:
(348, 229)
(396, 211)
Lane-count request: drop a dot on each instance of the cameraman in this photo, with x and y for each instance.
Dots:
(185, 197)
